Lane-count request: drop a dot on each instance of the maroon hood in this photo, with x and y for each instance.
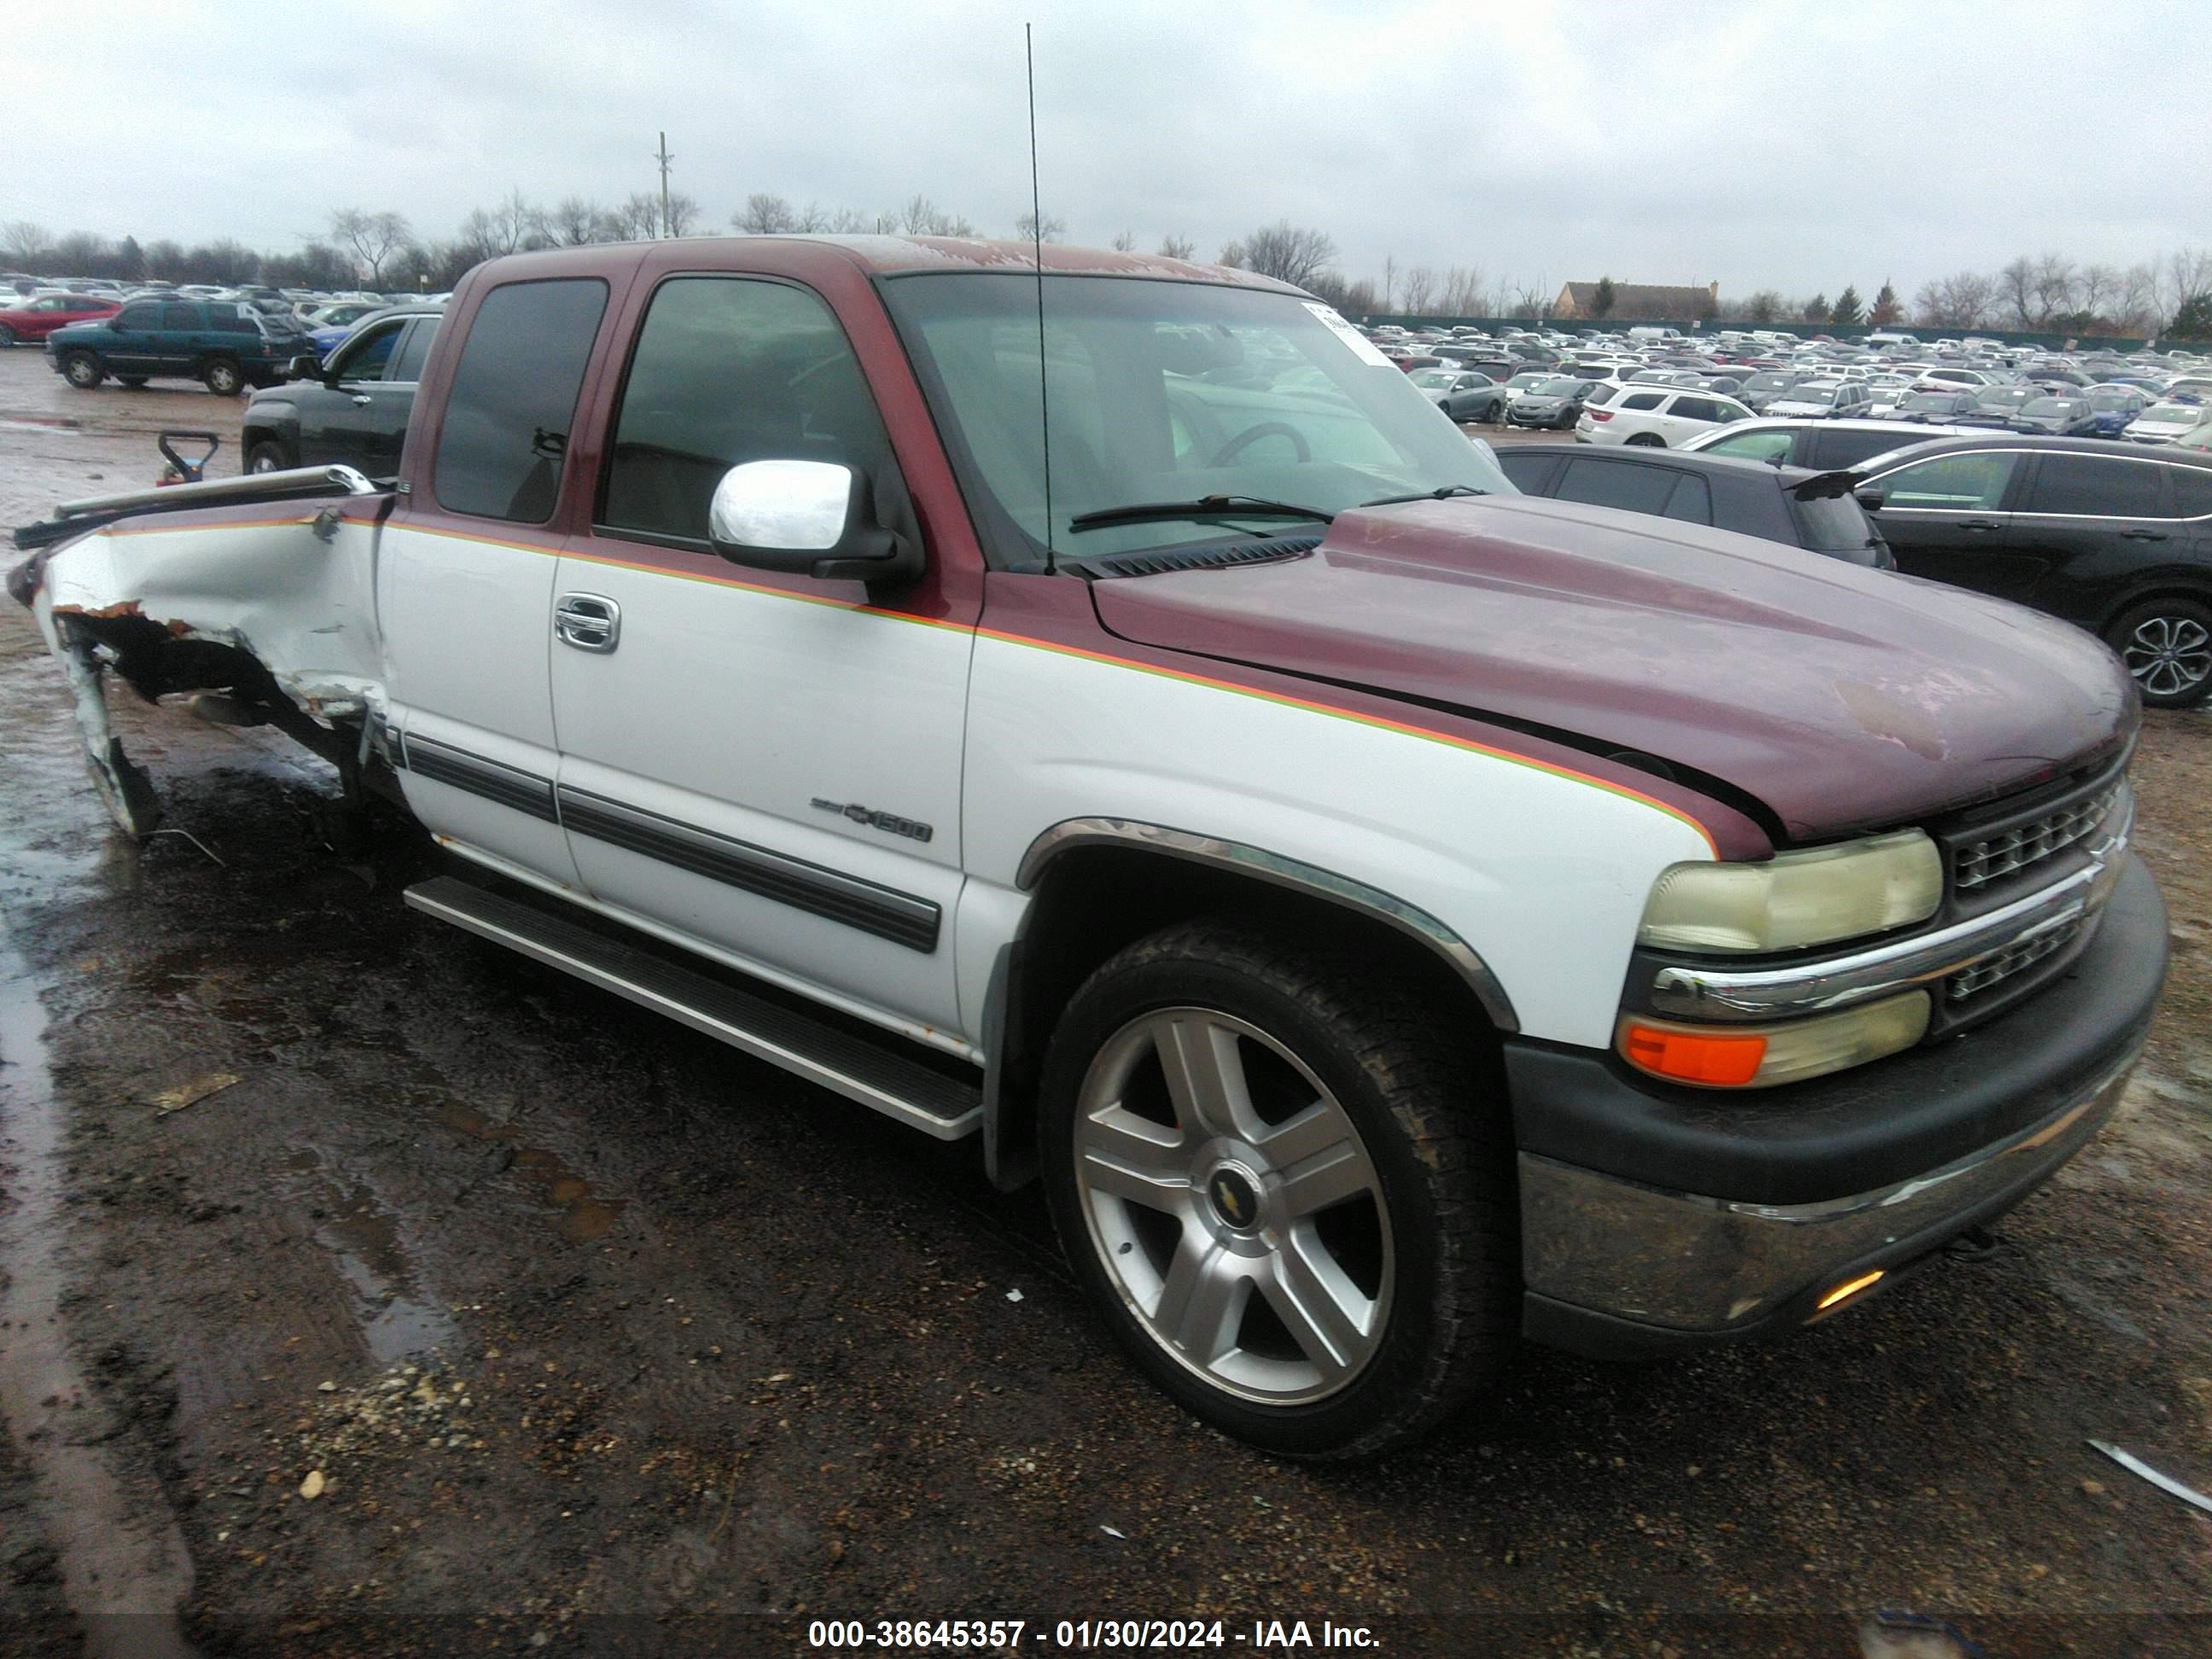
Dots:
(1844, 698)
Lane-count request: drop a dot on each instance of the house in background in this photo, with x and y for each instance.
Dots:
(1641, 301)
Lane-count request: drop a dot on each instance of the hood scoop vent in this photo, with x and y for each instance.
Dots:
(1212, 555)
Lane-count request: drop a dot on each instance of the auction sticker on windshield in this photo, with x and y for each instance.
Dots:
(1351, 336)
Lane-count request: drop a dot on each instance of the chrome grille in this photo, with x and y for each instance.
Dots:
(1990, 970)
(1978, 862)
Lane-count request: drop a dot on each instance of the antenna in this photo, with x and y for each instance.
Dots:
(1037, 252)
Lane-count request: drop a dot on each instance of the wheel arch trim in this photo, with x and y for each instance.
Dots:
(1410, 920)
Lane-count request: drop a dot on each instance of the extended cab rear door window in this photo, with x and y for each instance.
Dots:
(513, 398)
(731, 369)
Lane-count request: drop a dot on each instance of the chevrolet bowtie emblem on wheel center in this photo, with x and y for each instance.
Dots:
(1236, 1199)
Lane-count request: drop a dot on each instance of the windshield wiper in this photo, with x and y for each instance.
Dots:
(1206, 507)
(1443, 494)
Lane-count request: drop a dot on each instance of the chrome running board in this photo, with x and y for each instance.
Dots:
(870, 1072)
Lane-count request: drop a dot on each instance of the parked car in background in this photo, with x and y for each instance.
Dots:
(1814, 399)
(2112, 406)
(224, 345)
(1922, 407)
(353, 410)
(2116, 540)
(2164, 423)
(1823, 446)
(31, 320)
(1555, 402)
(1815, 511)
(2061, 417)
(1651, 416)
(1768, 384)
(1464, 394)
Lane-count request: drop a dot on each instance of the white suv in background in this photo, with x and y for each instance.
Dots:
(1816, 399)
(1654, 415)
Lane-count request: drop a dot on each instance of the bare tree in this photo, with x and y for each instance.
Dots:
(24, 241)
(919, 216)
(1462, 294)
(575, 222)
(2016, 289)
(847, 222)
(371, 238)
(1416, 291)
(2097, 289)
(1530, 298)
(764, 215)
(2184, 275)
(1177, 247)
(1125, 241)
(639, 216)
(504, 228)
(1960, 301)
(682, 214)
(1288, 252)
(1764, 306)
(2054, 286)
(2137, 305)
(1028, 228)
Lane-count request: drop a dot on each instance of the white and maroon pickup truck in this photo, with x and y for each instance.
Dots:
(1107, 710)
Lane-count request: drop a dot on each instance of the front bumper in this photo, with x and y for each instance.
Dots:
(1629, 1249)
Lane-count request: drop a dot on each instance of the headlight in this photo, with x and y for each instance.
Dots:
(1794, 899)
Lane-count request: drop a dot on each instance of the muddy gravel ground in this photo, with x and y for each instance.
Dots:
(367, 1292)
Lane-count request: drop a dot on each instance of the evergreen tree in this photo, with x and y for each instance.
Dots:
(1848, 309)
(1816, 309)
(1601, 301)
(2194, 320)
(1886, 307)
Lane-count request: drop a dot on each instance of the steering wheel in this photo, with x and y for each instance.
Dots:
(1252, 434)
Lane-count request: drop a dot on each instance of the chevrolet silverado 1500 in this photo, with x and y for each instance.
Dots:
(1103, 709)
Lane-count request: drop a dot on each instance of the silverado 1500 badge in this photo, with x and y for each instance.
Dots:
(875, 820)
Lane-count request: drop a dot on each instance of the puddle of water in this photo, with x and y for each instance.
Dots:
(363, 1236)
(125, 1568)
(584, 1218)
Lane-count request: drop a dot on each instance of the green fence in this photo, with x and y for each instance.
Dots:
(1802, 331)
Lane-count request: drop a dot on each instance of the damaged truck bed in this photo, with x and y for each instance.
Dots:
(258, 592)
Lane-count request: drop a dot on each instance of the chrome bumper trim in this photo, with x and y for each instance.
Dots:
(1720, 994)
(1690, 1262)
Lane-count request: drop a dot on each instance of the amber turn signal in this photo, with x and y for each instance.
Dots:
(1722, 1060)
(1848, 1289)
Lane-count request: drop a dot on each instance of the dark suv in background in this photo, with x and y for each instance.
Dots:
(224, 345)
(2114, 538)
(350, 409)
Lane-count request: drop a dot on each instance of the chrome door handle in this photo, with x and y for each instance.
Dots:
(590, 622)
(362, 399)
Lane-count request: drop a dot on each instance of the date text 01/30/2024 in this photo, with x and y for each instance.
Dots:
(1086, 1635)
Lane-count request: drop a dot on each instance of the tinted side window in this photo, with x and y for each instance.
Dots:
(2093, 486)
(176, 318)
(1691, 502)
(1951, 484)
(1754, 446)
(1641, 400)
(364, 359)
(729, 370)
(513, 398)
(407, 365)
(2192, 491)
(232, 319)
(1696, 409)
(1531, 468)
(1626, 484)
(1843, 447)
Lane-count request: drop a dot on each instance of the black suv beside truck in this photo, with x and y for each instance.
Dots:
(350, 409)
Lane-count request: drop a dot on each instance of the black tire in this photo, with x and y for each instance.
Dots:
(2166, 644)
(1427, 1246)
(222, 376)
(83, 370)
(268, 456)
(134, 381)
(7, 335)
(1649, 440)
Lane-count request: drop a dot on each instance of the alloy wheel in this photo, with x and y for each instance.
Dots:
(2169, 654)
(1234, 1206)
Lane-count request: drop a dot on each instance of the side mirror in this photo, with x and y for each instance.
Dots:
(809, 518)
(1871, 500)
(305, 366)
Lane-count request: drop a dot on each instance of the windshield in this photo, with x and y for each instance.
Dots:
(1443, 380)
(1163, 391)
(2049, 406)
(1812, 394)
(2112, 400)
(2183, 412)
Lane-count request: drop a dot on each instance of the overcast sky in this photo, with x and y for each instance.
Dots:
(1766, 145)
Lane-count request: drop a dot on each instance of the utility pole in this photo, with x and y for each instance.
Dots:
(664, 158)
